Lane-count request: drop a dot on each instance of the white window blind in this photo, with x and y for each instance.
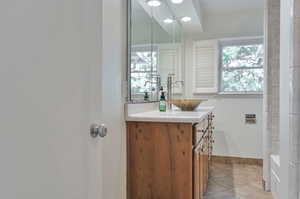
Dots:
(205, 66)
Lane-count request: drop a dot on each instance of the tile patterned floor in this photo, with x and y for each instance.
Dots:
(235, 181)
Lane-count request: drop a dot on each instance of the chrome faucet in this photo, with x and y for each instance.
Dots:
(170, 85)
(147, 82)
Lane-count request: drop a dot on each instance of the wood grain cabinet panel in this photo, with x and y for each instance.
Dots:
(159, 160)
(162, 163)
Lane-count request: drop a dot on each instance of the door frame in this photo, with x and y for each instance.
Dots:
(92, 30)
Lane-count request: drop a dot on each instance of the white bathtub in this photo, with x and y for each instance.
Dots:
(275, 181)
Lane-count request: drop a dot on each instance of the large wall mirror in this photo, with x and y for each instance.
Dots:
(155, 49)
(210, 47)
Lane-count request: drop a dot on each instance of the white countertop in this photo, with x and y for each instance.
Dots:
(175, 116)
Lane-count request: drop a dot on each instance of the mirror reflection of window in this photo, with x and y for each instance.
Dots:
(155, 48)
(143, 69)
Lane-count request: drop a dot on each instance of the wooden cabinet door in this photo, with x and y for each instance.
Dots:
(159, 161)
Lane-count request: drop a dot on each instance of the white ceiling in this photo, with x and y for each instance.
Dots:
(199, 10)
(231, 4)
(190, 8)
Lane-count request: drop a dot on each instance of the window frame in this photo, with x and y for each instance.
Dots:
(231, 42)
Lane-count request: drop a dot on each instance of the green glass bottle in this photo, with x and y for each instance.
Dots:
(162, 103)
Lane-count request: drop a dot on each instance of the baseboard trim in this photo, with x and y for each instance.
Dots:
(237, 160)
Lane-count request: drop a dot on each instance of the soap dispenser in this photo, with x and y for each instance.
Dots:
(162, 102)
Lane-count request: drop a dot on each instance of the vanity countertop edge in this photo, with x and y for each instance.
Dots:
(174, 116)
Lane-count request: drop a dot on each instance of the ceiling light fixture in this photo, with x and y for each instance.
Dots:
(154, 3)
(168, 20)
(186, 19)
(177, 1)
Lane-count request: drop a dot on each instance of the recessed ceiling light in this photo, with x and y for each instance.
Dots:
(154, 3)
(168, 20)
(186, 19)
(177, 1)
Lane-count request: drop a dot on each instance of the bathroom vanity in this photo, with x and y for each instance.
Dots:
(168, 154)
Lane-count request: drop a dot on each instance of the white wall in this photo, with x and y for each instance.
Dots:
(232, 23)
(233, 136)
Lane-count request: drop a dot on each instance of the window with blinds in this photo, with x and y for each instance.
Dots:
(205, 67)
